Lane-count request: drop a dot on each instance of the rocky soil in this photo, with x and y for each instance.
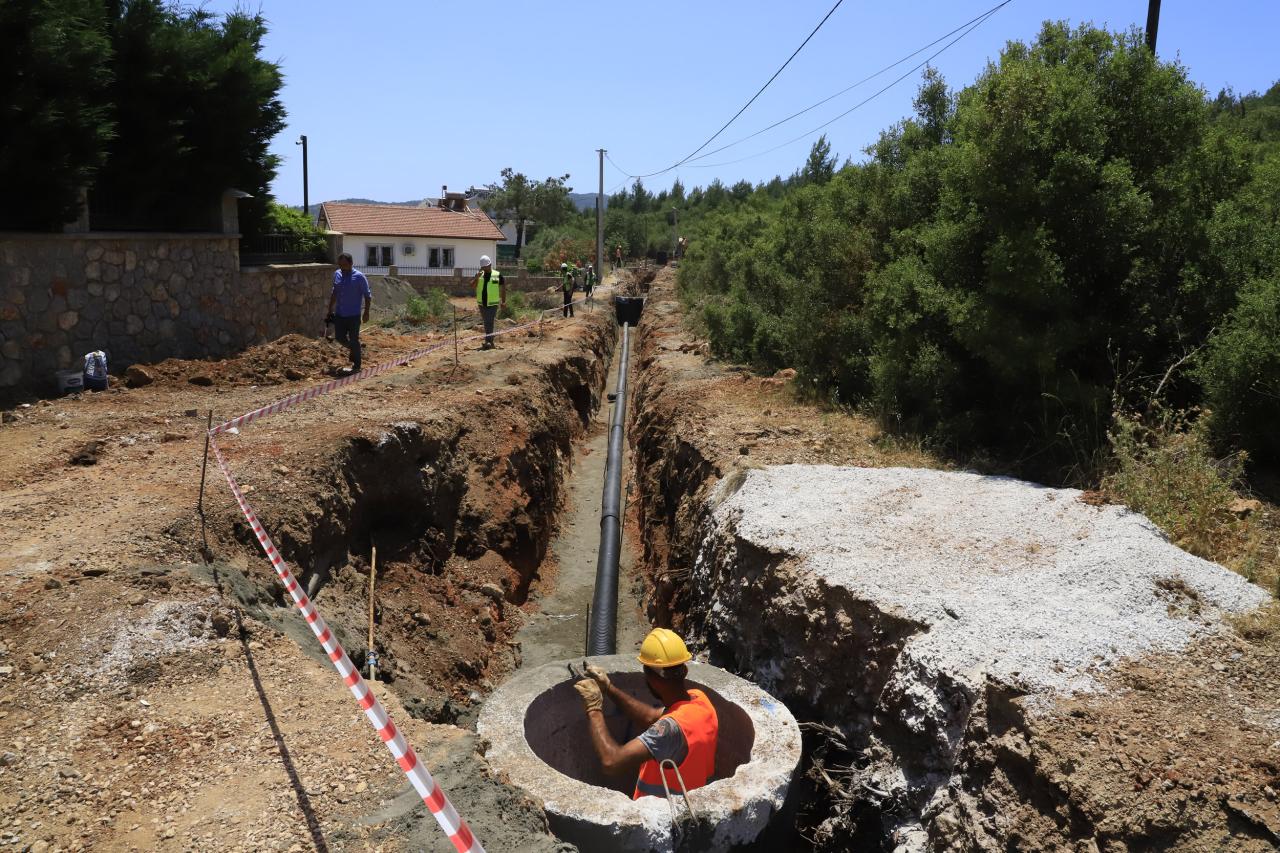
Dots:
(150, 699)
(1167, 748)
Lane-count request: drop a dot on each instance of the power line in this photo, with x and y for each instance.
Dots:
(710, 139)
(977, 23)
(853, 86)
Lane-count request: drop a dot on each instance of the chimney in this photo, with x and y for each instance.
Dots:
(444, 190)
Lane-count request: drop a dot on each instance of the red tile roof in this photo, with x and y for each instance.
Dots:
(395, 221)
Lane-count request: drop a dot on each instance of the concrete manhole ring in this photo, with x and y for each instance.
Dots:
(534, 724)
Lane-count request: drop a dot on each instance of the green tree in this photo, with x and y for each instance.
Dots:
(1014, 256)
(821, 164)
(54, 74)
(1240, 367)
(641, 200)
(196, 108)
(521, 200)
(677, 192)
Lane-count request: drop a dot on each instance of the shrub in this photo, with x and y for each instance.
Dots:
(1241, 372)
(514, 308)
(296, 225)
(1165, 468)
(541, 300)
(434, 305)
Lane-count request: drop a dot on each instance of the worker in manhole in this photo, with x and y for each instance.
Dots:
(683, 731)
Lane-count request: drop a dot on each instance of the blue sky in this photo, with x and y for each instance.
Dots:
(398, 97)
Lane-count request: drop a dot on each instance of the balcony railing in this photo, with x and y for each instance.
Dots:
(279, 249)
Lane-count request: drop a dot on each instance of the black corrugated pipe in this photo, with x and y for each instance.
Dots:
(604, 603)
(602, 632)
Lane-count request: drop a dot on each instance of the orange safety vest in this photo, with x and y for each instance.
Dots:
(701, 728)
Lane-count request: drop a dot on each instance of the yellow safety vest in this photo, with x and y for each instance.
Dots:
(493, 286)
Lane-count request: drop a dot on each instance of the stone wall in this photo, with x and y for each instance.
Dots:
(142, 298)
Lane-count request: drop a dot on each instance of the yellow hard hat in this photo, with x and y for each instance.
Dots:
(663, 648)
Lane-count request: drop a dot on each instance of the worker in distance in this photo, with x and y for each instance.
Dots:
(684, 730)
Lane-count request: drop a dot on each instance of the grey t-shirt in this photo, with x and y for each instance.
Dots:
(664, 739)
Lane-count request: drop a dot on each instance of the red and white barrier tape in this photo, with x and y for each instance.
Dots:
(432, 794)
(368, 373)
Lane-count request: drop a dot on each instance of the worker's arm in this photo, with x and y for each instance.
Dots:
(616, 760)
(642, 714)
(333, 300)
(502, 289)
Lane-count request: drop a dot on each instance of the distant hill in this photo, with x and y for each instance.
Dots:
(583, 201)
(315, 208)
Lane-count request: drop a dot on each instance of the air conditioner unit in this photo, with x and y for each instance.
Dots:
(408, 249)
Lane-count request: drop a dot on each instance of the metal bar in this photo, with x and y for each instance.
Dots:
(373, 575)
(204, 467)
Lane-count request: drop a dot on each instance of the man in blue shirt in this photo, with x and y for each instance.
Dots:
(350, 289)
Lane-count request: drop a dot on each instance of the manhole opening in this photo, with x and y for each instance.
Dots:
(555, 727)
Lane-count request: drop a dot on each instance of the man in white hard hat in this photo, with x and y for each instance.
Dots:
(491, 294)
(685, 730)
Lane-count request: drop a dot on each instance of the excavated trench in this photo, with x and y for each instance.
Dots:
(461, 503)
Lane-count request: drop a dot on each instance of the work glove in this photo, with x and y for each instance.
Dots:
(601, 677)
(590, 693)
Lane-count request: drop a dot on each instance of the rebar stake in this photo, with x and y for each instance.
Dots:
(204, 467)
(373, 574)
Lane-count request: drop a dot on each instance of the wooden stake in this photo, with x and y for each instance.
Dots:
(373, 574)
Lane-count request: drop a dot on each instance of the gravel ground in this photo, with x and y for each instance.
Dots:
(1010, 579)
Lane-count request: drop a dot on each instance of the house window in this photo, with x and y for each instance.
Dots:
(377, 256)
(440, 257)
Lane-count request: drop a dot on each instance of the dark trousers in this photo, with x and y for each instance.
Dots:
(346, 330)
(568, 308)
(489, 314)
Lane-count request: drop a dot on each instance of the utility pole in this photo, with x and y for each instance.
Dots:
(600, 221)
(306, 198)
(1153, 23)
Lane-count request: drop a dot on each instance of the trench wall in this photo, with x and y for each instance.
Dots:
(480, 481)
(141, 298)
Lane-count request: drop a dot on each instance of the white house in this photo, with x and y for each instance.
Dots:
(417, 240)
